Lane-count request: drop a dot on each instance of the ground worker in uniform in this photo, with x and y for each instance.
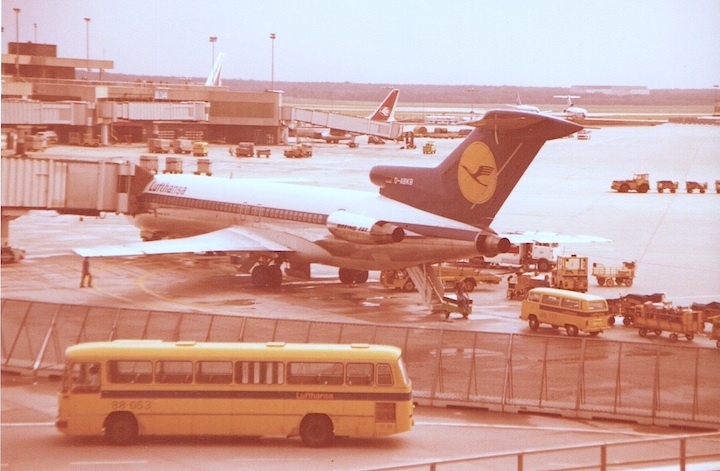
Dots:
(86, 276)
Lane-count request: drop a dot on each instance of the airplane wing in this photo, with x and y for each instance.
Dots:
(232, 239)
(551, 237)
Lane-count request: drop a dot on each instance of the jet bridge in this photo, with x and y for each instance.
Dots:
(67, 186)
(350, 124)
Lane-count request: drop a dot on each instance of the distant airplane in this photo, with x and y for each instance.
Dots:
(581, 116)
(385, 112)
(214, 79)
(519, 106)
(421, 216)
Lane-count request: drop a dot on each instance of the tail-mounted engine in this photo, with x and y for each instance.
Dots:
(490, 245)
(363, 229)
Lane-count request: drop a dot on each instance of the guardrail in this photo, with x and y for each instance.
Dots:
(572, 377)
(655, 452)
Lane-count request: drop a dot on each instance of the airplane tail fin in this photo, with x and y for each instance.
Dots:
(386, 110)
(214, 79)
(474, 181)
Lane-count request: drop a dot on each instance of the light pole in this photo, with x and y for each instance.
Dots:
(272, 63)
(472, 101)
(35, 27)
(213, 39)
(17, 41)
(87, 47)
(716, 108)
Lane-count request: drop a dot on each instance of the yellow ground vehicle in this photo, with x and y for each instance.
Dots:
(611, 276)
(571, 273)
(449, 273)
(640, 183)
(576, 312)
(520, 284)
(200, 149)
(245, 149)
(127, 388)
(429, 148)
(715, 332)
(299, 151)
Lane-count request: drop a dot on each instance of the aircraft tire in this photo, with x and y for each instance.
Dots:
(349, 276)
(260, 276)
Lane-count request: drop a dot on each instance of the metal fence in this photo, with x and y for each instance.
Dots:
(702, 451)
(572, 377)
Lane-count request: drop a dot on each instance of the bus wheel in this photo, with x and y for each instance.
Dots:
(408, 286)
(121, 428)
(316, 430)
(611, 321)
(627, 322)
(534, 323)
(572, 330)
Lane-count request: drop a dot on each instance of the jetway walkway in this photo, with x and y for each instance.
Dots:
(351, 124)
(67, 186)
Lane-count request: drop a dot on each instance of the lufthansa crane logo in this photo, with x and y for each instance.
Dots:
(477, 173)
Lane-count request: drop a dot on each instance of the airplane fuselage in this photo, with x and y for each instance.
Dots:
(302, 219)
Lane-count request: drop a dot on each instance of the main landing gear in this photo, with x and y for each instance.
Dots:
(266, 276)
(349, 276)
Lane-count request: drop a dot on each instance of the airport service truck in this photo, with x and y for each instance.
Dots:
(541, 255)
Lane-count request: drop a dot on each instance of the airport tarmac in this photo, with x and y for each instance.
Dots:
(671, 237)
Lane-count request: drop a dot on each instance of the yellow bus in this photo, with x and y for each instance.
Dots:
(129, 388)
(576, 312)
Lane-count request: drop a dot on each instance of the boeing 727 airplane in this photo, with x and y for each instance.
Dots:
(584, 118)
(420, 216)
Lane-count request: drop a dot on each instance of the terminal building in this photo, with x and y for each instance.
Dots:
(41, 91)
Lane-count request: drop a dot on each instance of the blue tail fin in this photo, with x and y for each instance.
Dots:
(474, 181)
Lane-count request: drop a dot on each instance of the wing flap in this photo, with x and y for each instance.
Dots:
(233, 239)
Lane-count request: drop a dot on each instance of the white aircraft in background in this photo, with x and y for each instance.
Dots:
(519, 106)
(384, 112)
(214, 79)
(581, 116)
(420, 216)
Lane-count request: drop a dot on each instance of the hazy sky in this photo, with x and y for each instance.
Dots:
(656, 43)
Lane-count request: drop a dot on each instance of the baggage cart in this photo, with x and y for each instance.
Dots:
(625, 306)
(614, 276)
(715, 332)
(660, 317)
(450, 304)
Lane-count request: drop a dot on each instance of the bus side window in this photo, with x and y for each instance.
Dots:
(130, 371)
(315, 373)
(533, 297)
(359, 374)
(384, 375)
(178, 372)
(213, 372)
(85, 377)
